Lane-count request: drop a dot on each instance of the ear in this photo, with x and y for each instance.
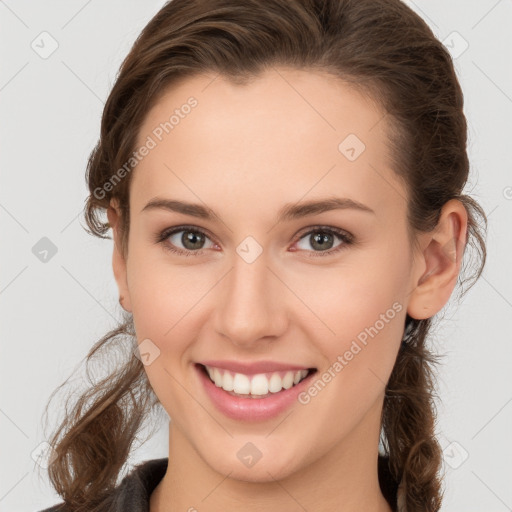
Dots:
(439, 262)
(118, 260)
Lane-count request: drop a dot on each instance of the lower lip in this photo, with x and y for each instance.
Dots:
(251, 409)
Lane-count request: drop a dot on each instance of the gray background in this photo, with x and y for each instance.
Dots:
(53, 311)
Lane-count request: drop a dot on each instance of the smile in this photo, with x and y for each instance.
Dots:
(253, 396)
(259, 385)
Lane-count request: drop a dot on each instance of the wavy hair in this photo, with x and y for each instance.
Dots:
(386, 51)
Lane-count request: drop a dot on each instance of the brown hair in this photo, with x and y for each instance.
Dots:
(380, 47)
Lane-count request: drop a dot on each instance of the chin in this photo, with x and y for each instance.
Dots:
(260, 473)
(273, 464)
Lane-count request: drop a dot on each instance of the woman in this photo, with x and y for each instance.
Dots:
(284, 183)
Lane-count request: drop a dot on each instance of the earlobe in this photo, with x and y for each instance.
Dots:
(118, 259)
(440, 261)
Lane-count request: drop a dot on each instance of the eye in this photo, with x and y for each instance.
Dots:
(191, 239)
(321, 239)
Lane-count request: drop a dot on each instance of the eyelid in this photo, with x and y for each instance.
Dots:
(320, 227)
(185, 227)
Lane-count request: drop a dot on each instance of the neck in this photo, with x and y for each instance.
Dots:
(345, 479)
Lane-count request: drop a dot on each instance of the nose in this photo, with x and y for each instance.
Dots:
(251, 304)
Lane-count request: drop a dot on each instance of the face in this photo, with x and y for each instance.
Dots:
(264, 278)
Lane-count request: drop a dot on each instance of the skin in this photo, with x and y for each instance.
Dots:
(244, 152)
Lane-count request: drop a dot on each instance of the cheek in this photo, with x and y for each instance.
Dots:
(359, 359)
(366, 340)
(162, 294)
(163, 312)
(363, 313)
(162, 307)
(353, 303)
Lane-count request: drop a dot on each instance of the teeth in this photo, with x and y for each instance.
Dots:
(259, 384)
(241, 384)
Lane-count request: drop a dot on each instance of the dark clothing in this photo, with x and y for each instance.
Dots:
(388, 486)
(132, 494)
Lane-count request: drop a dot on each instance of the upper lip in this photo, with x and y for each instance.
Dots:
(251, 368)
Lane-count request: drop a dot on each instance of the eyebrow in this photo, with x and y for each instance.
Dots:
(288, 212)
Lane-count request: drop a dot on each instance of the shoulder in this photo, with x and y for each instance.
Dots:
(133, 492)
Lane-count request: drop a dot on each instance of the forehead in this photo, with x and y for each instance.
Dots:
(287, 131)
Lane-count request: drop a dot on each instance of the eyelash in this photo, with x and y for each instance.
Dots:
(345, 237)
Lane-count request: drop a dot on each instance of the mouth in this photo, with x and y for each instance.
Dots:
(258, 386)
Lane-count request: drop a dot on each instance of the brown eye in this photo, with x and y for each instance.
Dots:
(191, 240)
(321, 241)
(185, 241)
